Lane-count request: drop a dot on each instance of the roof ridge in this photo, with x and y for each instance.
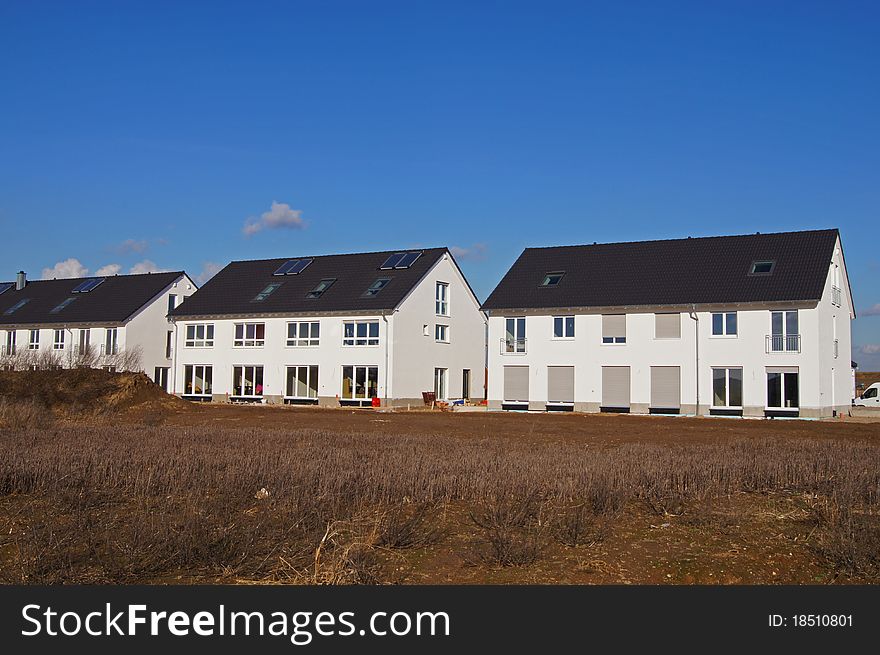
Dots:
(340, 254)
(703, 238)
(106, 277)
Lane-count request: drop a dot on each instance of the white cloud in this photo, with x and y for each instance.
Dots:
(132, 246)
(209, 270)
(109, 269)
(871, 311)
(71, 267)
(146, 266)
(280, 215)
(475, 252)
(870, 349)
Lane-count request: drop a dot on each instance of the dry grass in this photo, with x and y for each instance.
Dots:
(147, 504)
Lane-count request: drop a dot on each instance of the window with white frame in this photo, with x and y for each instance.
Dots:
(9, 348)
(249, 335)
(563, 327)
(724, 324)
(34, 342)
(199, 335)
(784, 334)
(360, 382)
(306, 333)
(198, 380)
(441, 333)
(247, 381)
(302, 382)
(360, 333)
(783, 389)
(111, 341)
(613, 328)
(441, 299)
(727, 385)
(85, 340)
(514, 335)
(441, 383)
(58, 343)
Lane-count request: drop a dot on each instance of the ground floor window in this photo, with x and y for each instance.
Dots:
(441, 391)
(58, 343)
(34, 343)
(727, 387)
(302, 382)
(466, 383)
(198, 380)
(783, 390)
(360, 382)
(160, 377)
(247, 381)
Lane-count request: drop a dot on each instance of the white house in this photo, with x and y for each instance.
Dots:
(117, 322)
(752, 325)
(333, 330)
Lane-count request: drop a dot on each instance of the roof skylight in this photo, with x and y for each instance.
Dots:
(63, 305)
(293, 267)
(265, 293)
(21, 303)
(376, 287)
(552, 279)
(400, 260)
(6, 286)
(87, 285)
(319, 290)
(762, 268)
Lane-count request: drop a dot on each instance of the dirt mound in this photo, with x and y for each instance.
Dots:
(84, 391)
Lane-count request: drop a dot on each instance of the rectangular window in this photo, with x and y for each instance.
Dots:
(784, 335)
(783, 391)
(247, 381)
(304, 334)
(301, 382)
(58, 343)
(85, 337)
(319, 290)
(727, 384)
(560, 385)
(169, 343)
(360, 333)
(160, 377)
(9, 348)
(265, 293)
(667, 326)
(441, 392)
(34, 343)
(249, 335)
(613, 328)
(441, 333)
(516, 385)
(724, 324)
(198, 380)
(199, 335)
(514, 335)
(376, 287)
(360, 382)
(111, 341)
(563, 327)
(172, 302)
(441, 299)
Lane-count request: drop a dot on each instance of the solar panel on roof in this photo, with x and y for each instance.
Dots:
(286, 266)
(293, 267)
(393, 260)
(6, 286)
(408, 260)
(87, 285)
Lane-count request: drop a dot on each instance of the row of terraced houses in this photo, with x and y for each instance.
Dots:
(751, 325)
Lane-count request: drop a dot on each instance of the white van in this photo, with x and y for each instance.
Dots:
(870, 397)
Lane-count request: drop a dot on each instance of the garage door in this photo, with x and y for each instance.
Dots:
(560, 384)
(516, 384)
(665, 387)
(615, 387)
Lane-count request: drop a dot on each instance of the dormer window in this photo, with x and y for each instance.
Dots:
(552, 279)
(762, 268)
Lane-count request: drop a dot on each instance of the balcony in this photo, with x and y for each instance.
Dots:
(513, 346)
(783, 343)
(835, 296)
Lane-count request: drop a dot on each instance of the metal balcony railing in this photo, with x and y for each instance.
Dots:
(835, 296)
(783, 343)
(513, 346)
(113, 349)
(8, 350)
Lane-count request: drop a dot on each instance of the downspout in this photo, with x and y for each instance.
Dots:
(385, 400)
(174, 358)
(696, 319)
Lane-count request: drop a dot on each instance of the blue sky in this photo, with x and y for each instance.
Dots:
(150, 136)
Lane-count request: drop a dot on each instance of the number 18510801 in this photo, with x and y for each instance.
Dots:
(810, 621)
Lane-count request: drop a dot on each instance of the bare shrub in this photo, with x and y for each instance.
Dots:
(408, 525)
(580, 525)
(512, 533)
(25, 414)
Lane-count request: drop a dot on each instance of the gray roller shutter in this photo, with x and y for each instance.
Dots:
(613, 325)
(667, 326)
(560, 384)
(615, 386)
(516, 383)
(666, 387)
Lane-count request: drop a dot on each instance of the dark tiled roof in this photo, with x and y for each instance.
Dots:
(232, 290)
(113, 301)
(705, 270)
